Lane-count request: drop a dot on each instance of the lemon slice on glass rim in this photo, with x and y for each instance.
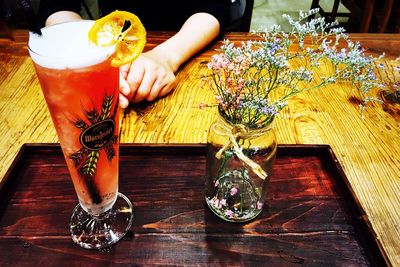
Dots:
(122, 29)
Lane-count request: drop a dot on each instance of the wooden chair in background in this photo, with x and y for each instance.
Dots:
(360, 16)
(383, 15)
(363, 15)
(396, 17)
(328, 15)
(4, 30)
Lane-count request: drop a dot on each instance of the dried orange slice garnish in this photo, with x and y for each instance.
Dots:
(123, 29)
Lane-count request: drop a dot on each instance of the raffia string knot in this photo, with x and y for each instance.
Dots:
(240, 131)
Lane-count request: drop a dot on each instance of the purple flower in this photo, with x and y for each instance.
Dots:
(269, 110)
(253, 81)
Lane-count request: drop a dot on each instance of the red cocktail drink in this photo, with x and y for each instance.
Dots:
(81, 89)
(83, 104)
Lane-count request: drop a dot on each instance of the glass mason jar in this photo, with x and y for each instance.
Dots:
(239, 164)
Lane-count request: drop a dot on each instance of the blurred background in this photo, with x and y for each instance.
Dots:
(269, 12)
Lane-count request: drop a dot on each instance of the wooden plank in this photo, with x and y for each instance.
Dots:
(368, 150)
(308, 218)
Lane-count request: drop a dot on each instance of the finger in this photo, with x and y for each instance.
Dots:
(135, 77)
(167, 89)
(145, 88)
(124, 88)
(123, 101)
(155, 92)
(123, 70)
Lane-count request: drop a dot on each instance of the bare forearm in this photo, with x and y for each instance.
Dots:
(62, 16)
(197, 32)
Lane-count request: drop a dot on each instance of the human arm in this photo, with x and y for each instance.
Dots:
(152, 75)
(57, 11)
(62, 16)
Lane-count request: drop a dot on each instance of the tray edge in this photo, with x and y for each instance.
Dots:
(323, 150)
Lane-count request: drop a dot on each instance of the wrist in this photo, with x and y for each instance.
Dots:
(166, 56)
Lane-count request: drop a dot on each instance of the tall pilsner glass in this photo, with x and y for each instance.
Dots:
(82, 90)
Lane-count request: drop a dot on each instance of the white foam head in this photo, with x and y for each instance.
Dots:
(66, 45)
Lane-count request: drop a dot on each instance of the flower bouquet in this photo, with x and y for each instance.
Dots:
(252, 83)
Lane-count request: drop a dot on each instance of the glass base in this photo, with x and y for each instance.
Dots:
(95, 232)
(235, 197)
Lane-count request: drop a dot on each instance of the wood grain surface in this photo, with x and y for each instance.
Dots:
(368, 150)
(311, 216)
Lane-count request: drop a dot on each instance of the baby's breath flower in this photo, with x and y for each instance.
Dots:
(253, 81)
(233, 191)
(229, 213)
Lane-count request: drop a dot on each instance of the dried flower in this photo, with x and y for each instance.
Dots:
(252, 82)
(229, 213)
(233, 191)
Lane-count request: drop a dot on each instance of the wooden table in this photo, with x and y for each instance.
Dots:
(368, 150)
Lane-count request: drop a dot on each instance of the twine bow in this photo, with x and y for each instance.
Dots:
(240, 131)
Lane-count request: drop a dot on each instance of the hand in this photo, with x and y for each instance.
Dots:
(151, 75)
(147, 78)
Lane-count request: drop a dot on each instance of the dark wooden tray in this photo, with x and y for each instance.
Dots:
(312, 216)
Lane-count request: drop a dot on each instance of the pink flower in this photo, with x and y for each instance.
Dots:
(229, 213)
(233, 191)
(223, 202)
(218, 62)
(215, 202)
(259, 205)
